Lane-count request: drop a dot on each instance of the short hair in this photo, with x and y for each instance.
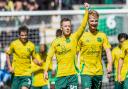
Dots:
(122, 35)
(58, 32)
(64, 19)
(23, 29)
(45, 47)
(93, 13)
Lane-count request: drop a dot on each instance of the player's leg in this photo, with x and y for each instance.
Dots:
(61, 82)
(86, 81)
(33, 87)
(96, 82)
(125, 84)
(25, 82)
(41, 87)
(72, 82)
(44, 87)
(118, 85)
(15, 83)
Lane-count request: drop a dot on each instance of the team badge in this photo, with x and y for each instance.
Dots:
(28, 50)
(99, 39)
(68, 40)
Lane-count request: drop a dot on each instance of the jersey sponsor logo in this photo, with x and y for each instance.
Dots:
(92, 51)
(28, 50)
(63, 49)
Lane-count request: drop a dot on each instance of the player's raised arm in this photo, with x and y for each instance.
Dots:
(82, 27)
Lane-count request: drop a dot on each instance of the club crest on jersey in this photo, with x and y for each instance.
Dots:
(87, 40)
(99, 39)
(68, 40)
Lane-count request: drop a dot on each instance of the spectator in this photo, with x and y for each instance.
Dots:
(18, 5)
(10, 5)
(3, 5)
(46, 4)
(66, 5)
(32, 5)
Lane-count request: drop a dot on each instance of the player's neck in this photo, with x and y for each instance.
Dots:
(67, 36)
(94, 32)
(23, 42)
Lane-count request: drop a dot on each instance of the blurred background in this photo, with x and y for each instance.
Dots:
(43, 18)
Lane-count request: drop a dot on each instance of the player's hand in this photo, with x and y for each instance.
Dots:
(11, 70)
(40, 63)
(46, 75)
(86, 5)
(109, 70)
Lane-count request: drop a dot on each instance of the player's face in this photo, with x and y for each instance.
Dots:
(93, 23)
(42, 48)
(23, 37)
(121, 41)
(66, 28)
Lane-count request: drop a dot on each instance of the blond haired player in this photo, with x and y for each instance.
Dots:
(91, 45)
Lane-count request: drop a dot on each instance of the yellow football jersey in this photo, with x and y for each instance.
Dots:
(116, 52)
(91, 51)
(65, 51)
(38, 77)
(21, 57)
(124, 55)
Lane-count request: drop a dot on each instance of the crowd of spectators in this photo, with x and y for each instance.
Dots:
(19, 5)
(30, 5)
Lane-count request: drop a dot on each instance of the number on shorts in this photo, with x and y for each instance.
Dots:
(73, 87)
(29, 81)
